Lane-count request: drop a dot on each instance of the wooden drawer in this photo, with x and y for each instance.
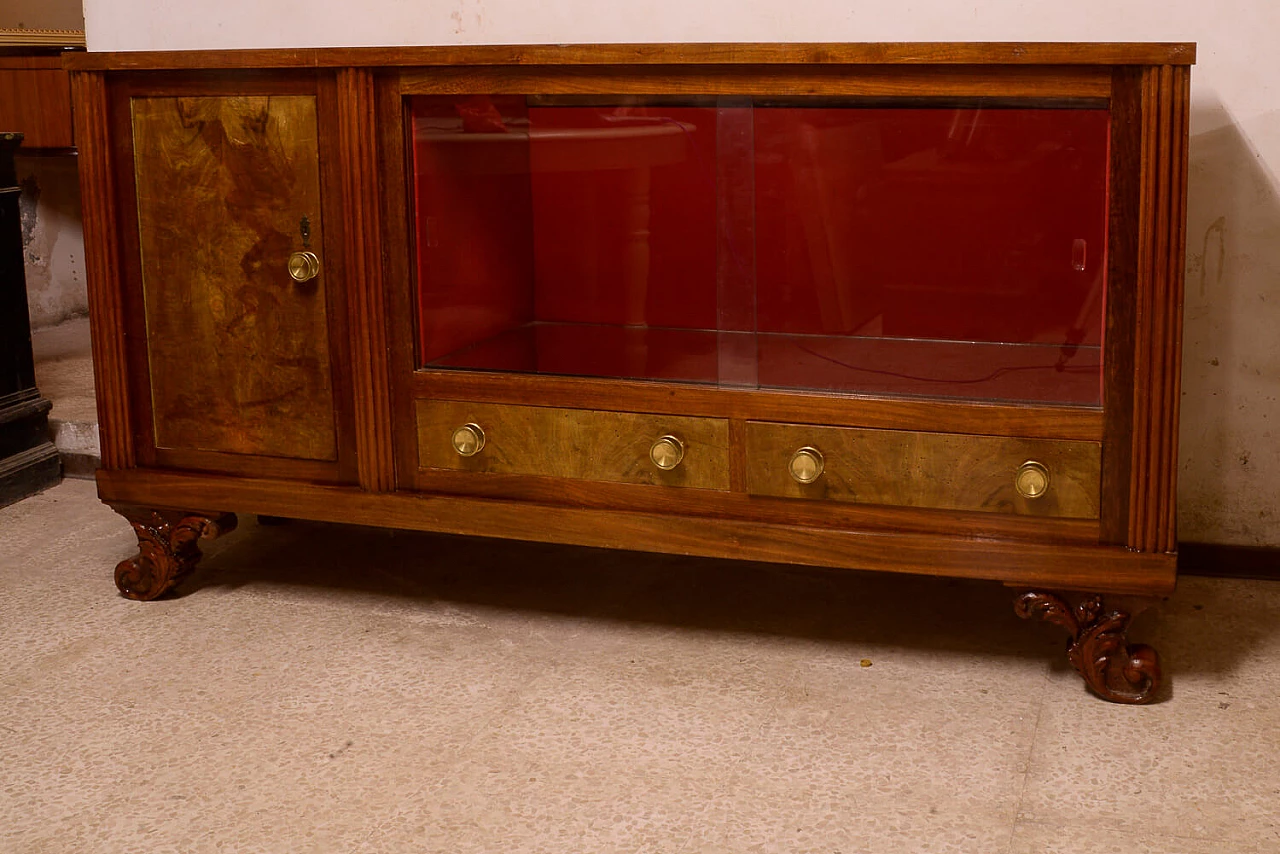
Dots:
(574, 443)
(35, 100)
(937, 470)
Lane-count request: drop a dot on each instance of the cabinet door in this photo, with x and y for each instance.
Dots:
(228, 189)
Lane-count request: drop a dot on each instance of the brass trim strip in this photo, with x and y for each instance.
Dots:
(10, 37)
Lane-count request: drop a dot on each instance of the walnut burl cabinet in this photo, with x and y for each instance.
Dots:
(898, 307)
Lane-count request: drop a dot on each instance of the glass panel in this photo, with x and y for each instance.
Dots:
(932, 251)
(906, 250)
(567, 239)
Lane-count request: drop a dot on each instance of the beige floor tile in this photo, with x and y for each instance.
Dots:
(64, 370)
(631, 718)
(927, 753)
(230, 717)
(273, 754)
(1220, 638)
(1205, 762)
(1099, 838)
(884, 762)
(496, 804)
(318, 688)
(58, 550)
(829, 826)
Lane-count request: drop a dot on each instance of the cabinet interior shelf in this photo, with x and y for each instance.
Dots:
(1032, 373)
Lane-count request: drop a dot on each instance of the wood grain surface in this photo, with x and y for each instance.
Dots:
(758, 508)
(884, 53)
(238, 352)
(842, 410)
(399, 268)
(1160, 223)
(1120, 322)
(35, 100)
(925, 469)
(884, 81)
(1054, 565)
(101, 220)
(362, 234)
(574, 443)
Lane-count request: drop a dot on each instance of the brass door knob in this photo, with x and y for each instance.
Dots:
(304, 266)
(666, 453)
(468, 440)
(1032, 480)
(806, 465)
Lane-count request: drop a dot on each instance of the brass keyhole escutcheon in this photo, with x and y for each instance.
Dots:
(666, 453)
(1032, 480)
(806, 465)
(468, 440)
(304, 266)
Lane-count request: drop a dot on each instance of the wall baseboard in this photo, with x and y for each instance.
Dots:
(1229, 561)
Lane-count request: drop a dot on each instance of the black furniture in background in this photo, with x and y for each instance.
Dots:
(28, 460)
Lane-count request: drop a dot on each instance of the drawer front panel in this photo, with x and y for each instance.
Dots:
(574, 443)
(935, 470)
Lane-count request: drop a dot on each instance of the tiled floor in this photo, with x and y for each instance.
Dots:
(321, 689)
(64, 375)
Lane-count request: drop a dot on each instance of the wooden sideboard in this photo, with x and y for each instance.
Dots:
(898, 307)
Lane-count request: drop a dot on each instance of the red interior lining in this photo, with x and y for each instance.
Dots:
(950, 224)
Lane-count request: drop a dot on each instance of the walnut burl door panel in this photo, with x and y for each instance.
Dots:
(238, 351)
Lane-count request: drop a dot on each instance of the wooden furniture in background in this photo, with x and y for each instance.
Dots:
(35, 90)
(35, 118)
(35, 96)
(379, 286)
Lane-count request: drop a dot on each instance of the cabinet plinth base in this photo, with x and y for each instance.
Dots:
(168, 548)
(1099, 649)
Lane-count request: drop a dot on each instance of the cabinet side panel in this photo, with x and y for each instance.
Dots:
(102, 268)
(357, 127)
(1151, 313)
(227, 189)
(1181, 84)
(1159, 309)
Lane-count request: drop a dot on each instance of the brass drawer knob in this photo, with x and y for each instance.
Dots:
(304, 266)
(666, 453)
(1032, 480)
(806, 465)
(468, 440)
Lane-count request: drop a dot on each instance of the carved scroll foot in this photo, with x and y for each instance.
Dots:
(1098, 650)
(168, 548)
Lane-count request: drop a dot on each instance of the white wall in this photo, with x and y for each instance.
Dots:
(52, 239)
(1230, 472)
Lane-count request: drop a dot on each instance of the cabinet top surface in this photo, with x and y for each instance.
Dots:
(904, 53)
